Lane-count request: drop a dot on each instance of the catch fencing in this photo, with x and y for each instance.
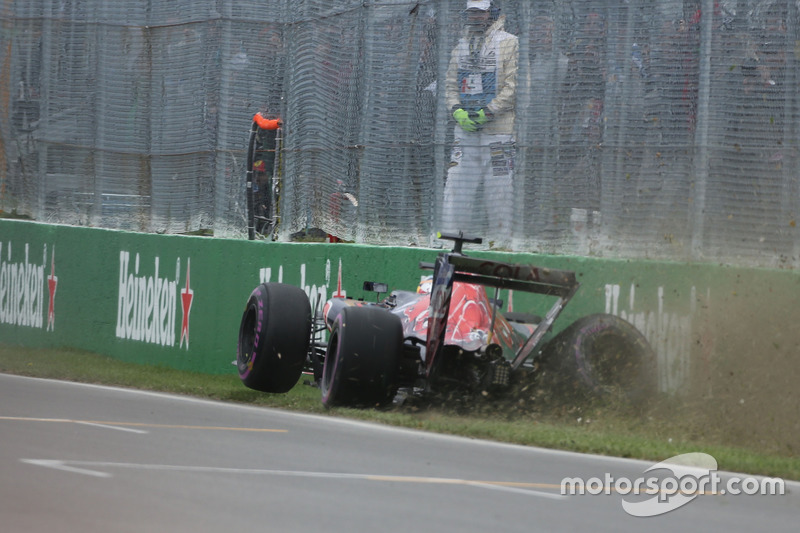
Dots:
(641, 128)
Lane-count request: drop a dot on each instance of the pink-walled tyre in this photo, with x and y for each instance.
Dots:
(274, 337)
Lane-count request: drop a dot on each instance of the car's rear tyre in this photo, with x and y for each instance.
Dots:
(600, 356)
(362, 357)
(274, 336)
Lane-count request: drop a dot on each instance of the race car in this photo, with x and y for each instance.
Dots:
(446, 336)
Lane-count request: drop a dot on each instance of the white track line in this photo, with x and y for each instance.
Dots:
(61, 465)
(96, 469)
(106, 426)
(71, 421)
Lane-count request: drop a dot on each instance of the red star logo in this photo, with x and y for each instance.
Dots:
(187, 295)
(52, 284)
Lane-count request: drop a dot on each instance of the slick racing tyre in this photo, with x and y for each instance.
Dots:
(362, 357)
(601, 356)
(274, 337)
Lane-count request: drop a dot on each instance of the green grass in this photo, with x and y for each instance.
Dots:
(598, 430)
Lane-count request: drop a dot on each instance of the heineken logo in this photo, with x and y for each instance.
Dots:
(147, 300)
(22, 288)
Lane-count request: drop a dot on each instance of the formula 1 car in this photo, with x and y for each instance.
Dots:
(452, 337)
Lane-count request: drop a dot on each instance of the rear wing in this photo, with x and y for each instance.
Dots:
(518, 277)
(454, 266)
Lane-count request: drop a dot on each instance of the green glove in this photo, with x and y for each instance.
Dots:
(462, 117)
(480, 117)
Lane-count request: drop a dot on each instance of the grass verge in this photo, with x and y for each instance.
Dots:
(598, 431)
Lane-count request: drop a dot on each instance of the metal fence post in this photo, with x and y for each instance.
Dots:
(697, 213)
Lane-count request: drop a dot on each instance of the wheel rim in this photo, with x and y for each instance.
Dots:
(329, 367)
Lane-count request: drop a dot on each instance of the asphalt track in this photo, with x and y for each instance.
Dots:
(83, 458)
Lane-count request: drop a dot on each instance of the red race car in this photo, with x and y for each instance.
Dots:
(447, 336)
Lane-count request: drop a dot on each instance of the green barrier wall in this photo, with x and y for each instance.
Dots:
(727, 337)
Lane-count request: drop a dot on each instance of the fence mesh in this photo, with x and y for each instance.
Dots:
(643, 128)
